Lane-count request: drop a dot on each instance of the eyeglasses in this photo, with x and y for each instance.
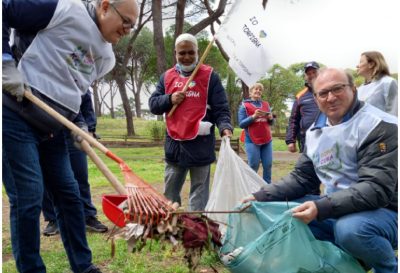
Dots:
(126, 23)
(335, 90)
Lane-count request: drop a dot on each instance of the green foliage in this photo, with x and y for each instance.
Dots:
(144, 56)
(156, 129)
(186, 27)
(298, 68)
(358, 80)
(280, 84)
(234, 94)
(279, 145)
(119, 111)
(169, 50)
(214, 58)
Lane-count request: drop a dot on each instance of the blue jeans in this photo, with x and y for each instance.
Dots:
(199, 187)
(27, 163)
(370, 236)
(255, 153)
(79, 166)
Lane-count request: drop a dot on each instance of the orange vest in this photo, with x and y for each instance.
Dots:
(259, 131)
(184, 123)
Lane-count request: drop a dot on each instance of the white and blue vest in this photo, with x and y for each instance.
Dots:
(381, 93)
(66, 57)
(333, 149)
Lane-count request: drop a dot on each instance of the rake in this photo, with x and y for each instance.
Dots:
(145, 205)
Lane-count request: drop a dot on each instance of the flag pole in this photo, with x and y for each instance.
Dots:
(203, 57)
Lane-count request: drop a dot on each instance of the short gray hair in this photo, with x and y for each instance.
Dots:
(186, 37)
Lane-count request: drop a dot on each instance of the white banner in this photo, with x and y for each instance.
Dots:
(244, 36)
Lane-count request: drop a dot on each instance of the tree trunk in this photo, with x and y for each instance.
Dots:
(125, 102)
(179, 17)
(213, 16)
(179, 20)
(230, 90)
(138, 107)
(112, 112)
(159, 40)
(96, 99)
(245, 90)
(264, 3)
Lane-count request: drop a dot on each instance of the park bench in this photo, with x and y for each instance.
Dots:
(123, 141)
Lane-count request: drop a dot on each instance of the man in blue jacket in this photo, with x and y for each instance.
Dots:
(64, 47)
(190, 140)
(304, 111)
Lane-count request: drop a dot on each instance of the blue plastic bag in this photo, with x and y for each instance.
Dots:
(267, 239)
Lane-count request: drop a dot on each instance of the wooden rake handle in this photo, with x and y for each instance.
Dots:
(64, 121)
(203, 57)
(115, 183)
(85, 142)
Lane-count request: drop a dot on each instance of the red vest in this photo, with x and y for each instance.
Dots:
(259, 130)
(184, 123)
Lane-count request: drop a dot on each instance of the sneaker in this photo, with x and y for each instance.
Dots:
(94, 269)
(95, 225)
(51, 228)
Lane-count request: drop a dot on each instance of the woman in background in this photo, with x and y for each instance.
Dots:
(379, 89)
(255, 117)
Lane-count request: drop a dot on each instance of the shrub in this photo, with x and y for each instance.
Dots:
(156, 129)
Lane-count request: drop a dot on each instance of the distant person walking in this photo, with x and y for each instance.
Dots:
(255, 118)
(304, 110)
(379, 89)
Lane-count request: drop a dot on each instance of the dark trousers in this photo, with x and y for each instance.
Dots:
(79, 166)
(28, 164)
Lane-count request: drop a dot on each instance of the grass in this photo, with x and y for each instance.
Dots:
(155, 257)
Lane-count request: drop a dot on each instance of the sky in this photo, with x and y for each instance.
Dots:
(332, 32)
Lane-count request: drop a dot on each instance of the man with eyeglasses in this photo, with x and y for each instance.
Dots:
(352, 150)
(63, 45)
(190, 139)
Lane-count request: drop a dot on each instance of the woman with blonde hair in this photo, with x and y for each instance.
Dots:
(255, 117)
(379, 89)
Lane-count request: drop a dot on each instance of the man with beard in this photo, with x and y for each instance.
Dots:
(190, 140)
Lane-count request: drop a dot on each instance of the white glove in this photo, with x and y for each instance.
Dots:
(12, 80)
(204, 128)
(77, 138)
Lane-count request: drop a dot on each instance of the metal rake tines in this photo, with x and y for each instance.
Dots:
(146, 206)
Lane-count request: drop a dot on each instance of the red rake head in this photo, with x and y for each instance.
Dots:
(145, 204)
(145, 207)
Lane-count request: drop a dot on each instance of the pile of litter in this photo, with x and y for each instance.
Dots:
(195, 232)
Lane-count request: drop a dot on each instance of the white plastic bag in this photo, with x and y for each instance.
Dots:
(233, 180)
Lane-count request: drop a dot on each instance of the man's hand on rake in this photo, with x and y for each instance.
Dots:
(12, 80)
(77, 138)
(177, 97)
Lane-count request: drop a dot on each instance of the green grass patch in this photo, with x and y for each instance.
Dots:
(156, 257)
